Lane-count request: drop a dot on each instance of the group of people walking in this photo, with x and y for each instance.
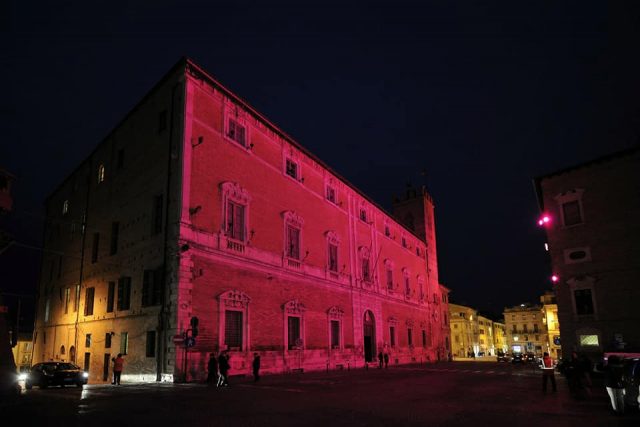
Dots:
(218, 368)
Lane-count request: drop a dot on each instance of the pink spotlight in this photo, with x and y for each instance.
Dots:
(555, 278)
(545, 219)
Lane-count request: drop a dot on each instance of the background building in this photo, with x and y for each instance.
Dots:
(526, 329)
(594, 246)
(500, 337)
(464, 330)
(198, 225)
(550, 309)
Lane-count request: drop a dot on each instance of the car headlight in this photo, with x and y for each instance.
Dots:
(85, 375)
(22, 376)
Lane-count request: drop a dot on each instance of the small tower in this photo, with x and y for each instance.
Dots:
(416, 211)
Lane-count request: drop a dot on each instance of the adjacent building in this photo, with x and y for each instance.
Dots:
(526, 329)
(593, 233)
(198, 225)
(550, 320)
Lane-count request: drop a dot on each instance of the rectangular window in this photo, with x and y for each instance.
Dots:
(584, 301)
(293, 242)
(335, 334)
(589, 341)
(233, 329)
(237, 132)
(389, 279)
(156, 217)
(292, 169)
(111, 295)
(392, 336)
(424, 338)
(407, 286)
(387, 231)
(151, 344)
(95, 248)
(107, 340)
(333, 258)
(162, 120)
(88, 301)
(124, 342)
(331, 194)
(535, 328)
(152, 287)
(366, 274)
(67, 299)
(115, 229)
(124, 293)
(410, 336)
(235, 221)
(87, 361)
(571, 213)
(293, 326)
(363, 215)
(87, 340)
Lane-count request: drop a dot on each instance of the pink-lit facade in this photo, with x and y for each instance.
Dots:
(269, 248)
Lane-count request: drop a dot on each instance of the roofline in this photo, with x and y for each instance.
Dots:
(537, 181)
(292, 141)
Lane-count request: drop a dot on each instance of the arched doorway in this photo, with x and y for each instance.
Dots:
(369, 331)
(72, 354)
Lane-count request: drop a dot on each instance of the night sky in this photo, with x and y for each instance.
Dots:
(482, 95)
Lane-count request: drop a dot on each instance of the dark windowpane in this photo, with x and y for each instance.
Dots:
(88, 301)
(292, 169)
(87, 341)
(389, 279)
(111, 293)
(293, 242)
(235, 221)
(333, 258)
(124, 293)
(293, 324)
(410, 336)
(584, 301)
(424, 338)
(571, 213)
(107, 340)
(392, 336)
(87, 361)
(151, 344)
(124, 342)
(233, 329)
(237, 132)
(366, 274)
(335, 334)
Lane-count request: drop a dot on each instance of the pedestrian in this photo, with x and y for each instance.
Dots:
(574, 376)
(380, 360)
(118, 366)
(256, 367)
(386, 360)
(615, 383)
(548, 373)
(223, 366)
(212, 369)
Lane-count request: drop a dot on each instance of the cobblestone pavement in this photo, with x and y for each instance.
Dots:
(444, 394)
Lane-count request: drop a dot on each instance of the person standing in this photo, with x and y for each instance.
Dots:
(223, 366)
(386, 360)
(212, 369)
(118, 366)
(256, 367)
(380, 360)
(548, 373)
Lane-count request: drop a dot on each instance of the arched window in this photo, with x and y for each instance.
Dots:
(100, 173)
(62, 350)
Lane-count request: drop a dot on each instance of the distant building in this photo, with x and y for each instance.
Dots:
(464, 330)
(593, 232)
(526, 329)
(197, 225)
(500, 337)
(22, 351)
(550, 309)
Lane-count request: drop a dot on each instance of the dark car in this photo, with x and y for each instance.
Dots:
(517, 358)
(55, 373)
(503, 357)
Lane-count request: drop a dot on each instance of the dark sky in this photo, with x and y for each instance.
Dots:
(482, 95)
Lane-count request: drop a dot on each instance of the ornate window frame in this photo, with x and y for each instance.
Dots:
(293, 308)
(293, 220)
(389, 267)
(332, 239)
(581, 283)
(335, 313)
(291, 155)
(238, 116)
(234, 300)
(573, 195)
(233, 192)
(364, 213)
(331, 190)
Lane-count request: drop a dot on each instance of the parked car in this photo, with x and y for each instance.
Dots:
(55, 373)
(517, 358)
(531, 358)
(503, 357)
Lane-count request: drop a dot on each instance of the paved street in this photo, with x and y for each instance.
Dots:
(445, 394)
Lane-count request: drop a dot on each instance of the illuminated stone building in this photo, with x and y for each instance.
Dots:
(464, 330)
(500, 337)
(198, 218)
(526, 329)
(593, 233)
(550, 309)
